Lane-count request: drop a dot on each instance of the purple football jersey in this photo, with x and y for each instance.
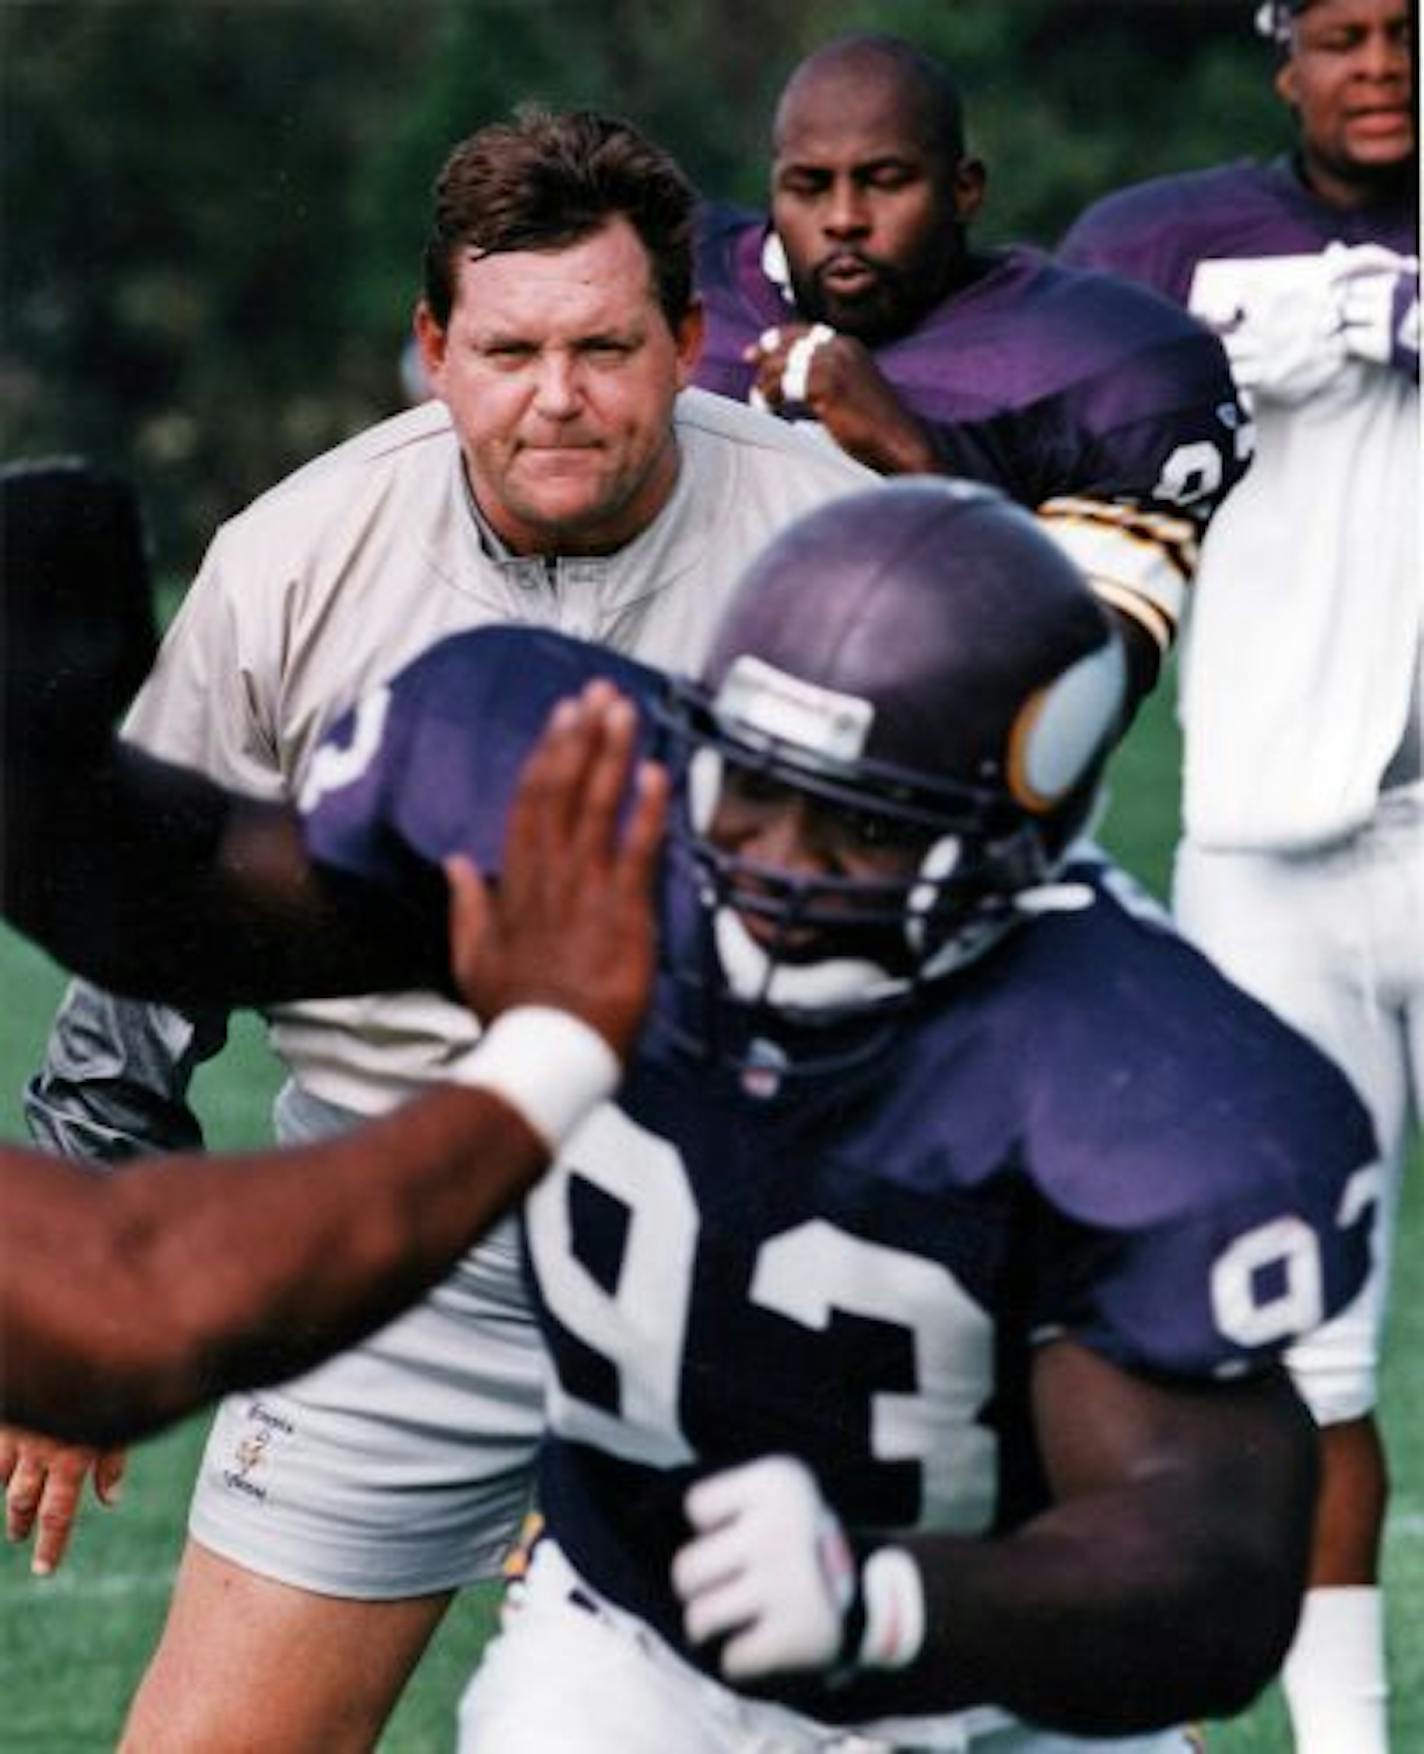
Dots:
(1087, 1133)
(1042, 381)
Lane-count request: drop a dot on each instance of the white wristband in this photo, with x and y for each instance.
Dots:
(894, 1598)
(548, 1064)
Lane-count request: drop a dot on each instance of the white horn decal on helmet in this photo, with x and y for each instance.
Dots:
(1060, 729)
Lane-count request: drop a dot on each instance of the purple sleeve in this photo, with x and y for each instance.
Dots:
(1156, 233)
(738, 302)
(1104, 392)
(421, 767)
(1207, 1178)
(1404, 327)
(1219, 1295)
(347, 795)
(428, 764)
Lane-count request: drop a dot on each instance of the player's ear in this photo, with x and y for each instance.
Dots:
(969, 184)
(430, 338)
(688, 336)
(1287, 84)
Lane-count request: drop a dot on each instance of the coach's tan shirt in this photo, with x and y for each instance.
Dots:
(339, 576)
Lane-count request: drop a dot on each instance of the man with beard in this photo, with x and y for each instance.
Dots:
(859, 303)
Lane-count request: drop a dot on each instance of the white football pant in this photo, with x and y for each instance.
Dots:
(1333, 942)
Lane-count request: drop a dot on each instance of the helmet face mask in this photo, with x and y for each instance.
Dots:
(899, 731)
(933, 885)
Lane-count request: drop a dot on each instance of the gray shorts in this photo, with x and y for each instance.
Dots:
(402, 1467)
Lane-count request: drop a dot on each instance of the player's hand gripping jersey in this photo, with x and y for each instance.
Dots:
(844, 1243)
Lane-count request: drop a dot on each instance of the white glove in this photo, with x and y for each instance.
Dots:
(1279, 322)
(1288, 347)
(1371, 285)
(771, 1570)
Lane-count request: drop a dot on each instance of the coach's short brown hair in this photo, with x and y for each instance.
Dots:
(547, 179)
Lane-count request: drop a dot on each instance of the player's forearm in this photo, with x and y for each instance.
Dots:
(158, 882)
(894, 442)
(361, 1225)
(1169, 1598)
(1112, 1626)
(188, 1277)
(107, 857)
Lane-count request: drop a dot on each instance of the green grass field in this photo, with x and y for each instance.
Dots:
(72, 1646)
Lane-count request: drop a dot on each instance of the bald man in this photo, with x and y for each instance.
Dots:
(858, 304)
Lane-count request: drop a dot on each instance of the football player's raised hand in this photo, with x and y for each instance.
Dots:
(571, 922)
(44, 1481)
(771, 1572)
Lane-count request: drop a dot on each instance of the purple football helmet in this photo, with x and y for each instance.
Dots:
(923, 657)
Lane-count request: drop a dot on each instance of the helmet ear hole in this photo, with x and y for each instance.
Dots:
(704, 787)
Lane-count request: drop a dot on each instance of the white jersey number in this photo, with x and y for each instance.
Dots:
(1268, 1285)
(805, 1274)
(334, 767)
(641, 1324)
(810, 1272)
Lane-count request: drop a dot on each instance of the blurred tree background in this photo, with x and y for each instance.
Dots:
(213, 209)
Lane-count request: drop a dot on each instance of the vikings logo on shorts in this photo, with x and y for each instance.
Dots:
(251, 1451)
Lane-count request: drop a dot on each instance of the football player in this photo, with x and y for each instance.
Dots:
(859, 303)
(914, 1313)
(1301, 868)
(128, 1300)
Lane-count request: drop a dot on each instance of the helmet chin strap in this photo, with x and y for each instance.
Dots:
(756, 978)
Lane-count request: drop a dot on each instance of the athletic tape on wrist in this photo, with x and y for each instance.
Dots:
(548, 1064)
(798, 361)
(894, 1598)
